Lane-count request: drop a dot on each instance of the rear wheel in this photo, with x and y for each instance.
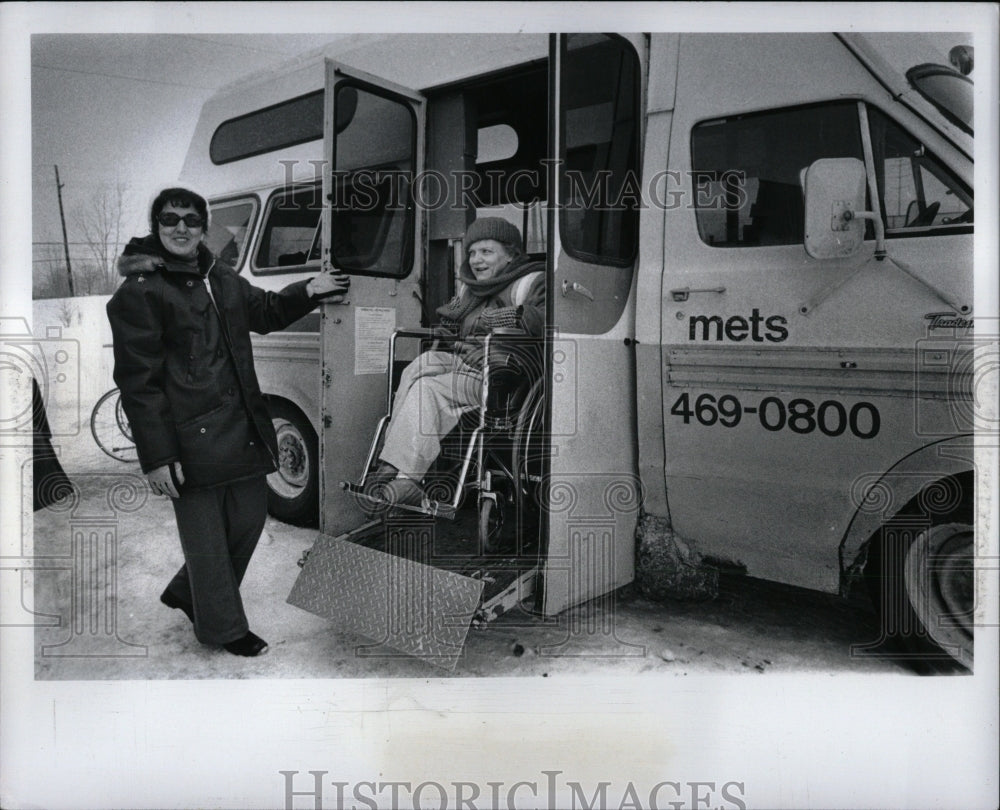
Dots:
(293, 490)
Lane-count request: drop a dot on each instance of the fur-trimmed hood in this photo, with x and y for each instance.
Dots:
(146, 255)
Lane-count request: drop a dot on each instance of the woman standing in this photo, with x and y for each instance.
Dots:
(181, 323)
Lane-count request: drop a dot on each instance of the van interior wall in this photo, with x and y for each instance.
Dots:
(456, 116)
(449, 151)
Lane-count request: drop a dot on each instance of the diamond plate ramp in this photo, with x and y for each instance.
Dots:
(398, 602)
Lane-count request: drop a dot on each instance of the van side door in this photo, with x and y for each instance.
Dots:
(373, 149)
(591, 493)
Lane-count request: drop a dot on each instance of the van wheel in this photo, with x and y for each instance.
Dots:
(923, 590)
(293, 490)
(940, 585)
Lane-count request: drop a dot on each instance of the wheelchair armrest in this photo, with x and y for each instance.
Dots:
(436, 332)
(507, 331)
(510, 351)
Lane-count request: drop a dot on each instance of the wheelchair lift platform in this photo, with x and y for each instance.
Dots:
(412, 584)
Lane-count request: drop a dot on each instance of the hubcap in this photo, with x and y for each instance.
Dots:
(293, 461)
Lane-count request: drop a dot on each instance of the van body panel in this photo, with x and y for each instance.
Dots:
(289, 362)
(776, 333)
(651, 276)
(593, 493)
(661, 87)
(886, 492)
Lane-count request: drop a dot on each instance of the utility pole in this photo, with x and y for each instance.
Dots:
(62, 218)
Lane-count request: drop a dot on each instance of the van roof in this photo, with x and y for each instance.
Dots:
(414, 61)
(423, 61)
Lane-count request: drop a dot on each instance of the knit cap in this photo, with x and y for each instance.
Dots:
(496, 228)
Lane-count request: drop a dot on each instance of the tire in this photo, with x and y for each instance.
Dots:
(110, 429)
(922, 584)
(293, 490)
(490, 525)
(528, 452)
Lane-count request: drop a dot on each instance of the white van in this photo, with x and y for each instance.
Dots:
(759, 253)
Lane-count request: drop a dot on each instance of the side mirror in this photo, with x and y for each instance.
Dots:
(835, 203)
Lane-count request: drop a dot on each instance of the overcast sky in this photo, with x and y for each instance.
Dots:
(125, 106)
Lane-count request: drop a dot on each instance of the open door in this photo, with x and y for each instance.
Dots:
(412, 585)
(592, 493)
(374, 143)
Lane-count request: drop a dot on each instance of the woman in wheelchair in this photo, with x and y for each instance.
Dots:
(502, 289)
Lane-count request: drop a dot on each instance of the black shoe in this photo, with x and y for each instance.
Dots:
(250, 645)
(172, 601)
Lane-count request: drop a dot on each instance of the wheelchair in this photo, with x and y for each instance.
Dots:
(494, 453)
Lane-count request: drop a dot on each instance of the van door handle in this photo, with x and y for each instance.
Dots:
(683, 293)
(574, 286)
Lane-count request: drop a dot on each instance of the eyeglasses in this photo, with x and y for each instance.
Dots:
(169, 219)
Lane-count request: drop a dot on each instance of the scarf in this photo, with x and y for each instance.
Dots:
(477, 291)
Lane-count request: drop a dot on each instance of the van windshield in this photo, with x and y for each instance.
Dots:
(946, 89)
(937, 65)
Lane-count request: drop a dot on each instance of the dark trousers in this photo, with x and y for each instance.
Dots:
(219, 529)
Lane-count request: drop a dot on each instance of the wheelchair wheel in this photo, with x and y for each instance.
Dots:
(490, 525)
(528, 452)
(110, 429)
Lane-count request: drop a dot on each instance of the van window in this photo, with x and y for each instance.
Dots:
(290, 237)
(372, 206)
(918, 194)
(232, 221)
(291, 122)
(497, 142)
(600, 187)
(747, 170)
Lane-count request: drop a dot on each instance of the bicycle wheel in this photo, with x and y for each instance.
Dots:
(110, 428)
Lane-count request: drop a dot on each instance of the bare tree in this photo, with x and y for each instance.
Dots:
(101, 225)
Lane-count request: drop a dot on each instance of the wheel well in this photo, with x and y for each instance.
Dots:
(271, 399)
(948, 499)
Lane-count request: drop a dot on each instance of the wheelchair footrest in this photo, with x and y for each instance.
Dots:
(426, 507)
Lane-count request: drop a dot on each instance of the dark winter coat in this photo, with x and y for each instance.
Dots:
(515, 299)
(185, 368)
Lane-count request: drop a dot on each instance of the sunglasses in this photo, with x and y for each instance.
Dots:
(169, 219)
